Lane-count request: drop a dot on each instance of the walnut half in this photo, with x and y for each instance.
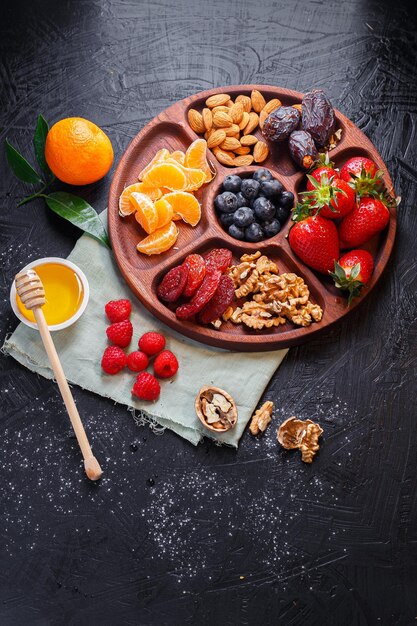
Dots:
(261, 418)
(295, 433)
(216, 409)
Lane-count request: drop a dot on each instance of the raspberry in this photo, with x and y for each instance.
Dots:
(118, 310)
(137, 361)
(113, 360)
(146, 387)
(120, 333)
(165, 365)
(151, 343)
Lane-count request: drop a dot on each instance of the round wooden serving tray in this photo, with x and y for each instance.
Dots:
(170, 130)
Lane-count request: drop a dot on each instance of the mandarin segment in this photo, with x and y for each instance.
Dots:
(159, 157)
(165, 212)
(159, 241)
(185, 205)
(196, 158)
(146, 214)
(170, 175)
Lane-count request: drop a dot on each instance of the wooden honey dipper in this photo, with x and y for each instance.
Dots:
(32, 294)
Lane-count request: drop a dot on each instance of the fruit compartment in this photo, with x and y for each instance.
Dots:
(285, 265)
(244, 173)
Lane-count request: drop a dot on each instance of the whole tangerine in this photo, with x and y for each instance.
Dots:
(77, 151)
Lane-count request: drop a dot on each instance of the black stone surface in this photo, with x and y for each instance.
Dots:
(181, 535)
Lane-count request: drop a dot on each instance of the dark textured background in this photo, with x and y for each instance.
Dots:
(221, 537)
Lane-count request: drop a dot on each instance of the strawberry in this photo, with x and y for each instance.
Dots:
(367, 219)
(315, 241)
(331, 197)
(352, 272)
(319, 173)
(363, 176)
(118, 310)
(120, 333)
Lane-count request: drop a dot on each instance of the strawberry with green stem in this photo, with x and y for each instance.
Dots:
(369, 217)
(363, 176)
(352, 272)
(330, 196)
(315, 241)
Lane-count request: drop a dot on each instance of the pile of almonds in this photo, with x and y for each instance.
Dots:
(228, 127)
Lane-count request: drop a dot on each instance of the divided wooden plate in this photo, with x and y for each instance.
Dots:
(170, 130)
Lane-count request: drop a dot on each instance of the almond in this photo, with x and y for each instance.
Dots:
(217, 100)
(222, 120)
(257, 100)
(252, 124)
(195, 120)
(246, 101)
(207, 119)
(232, 130)
(245, 120)
(216, 138)
(220, 108)
(224, 157)
(272, 105)
(242, 150)
(297, 106)
(262, 117)
(236, 112)
(229, 103)
(248, 140)
(260, 152)
(239, 161)
(230, 144)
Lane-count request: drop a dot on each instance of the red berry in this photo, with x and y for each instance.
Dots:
(357, 166)
(316, 242)
(118, 310)
(353, 271)
(367, 219)
(146, 387)
(120, 333)
(113, 360)
(151, 343)
(321, 174)
(137, 361)
(330, 197)
(165, 365)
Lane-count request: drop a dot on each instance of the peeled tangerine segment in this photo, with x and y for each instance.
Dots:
(185, 205)
(159, 157)
(194, 177)
(126, 206)
(159, 241)
(168, 175)
(178, 156)
(146, 213)
(165, 212)
(196, 158)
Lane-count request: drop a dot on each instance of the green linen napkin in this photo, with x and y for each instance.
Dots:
(80, 347)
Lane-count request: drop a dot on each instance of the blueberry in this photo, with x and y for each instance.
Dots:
(261, 175)
(232, 183)
(241, 200)
(287, 200)
(250, 188)
(271, 228)
(226, 202)
(236, 232)
(243, 216)
(282, 214)
(264, 209)
(227, 219)
(254, 232)
(271, 188)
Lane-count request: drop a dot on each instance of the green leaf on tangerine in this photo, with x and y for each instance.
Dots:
(39, 140)
(20, 167)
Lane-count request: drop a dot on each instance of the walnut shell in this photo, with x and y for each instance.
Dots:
(204, 400)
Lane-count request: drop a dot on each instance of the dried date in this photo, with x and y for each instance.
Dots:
(302, 148)
(317, 116)
(280, 123)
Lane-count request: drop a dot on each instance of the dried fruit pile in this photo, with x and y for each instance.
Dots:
(255, 207)
(341, 209)
(308, 127)
(165, 195)
(203, 280)
(114, 359)
(229, 127)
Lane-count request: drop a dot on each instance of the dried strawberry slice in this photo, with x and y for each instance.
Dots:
(218, 259)
(196, 272)
(203, 295)
(173, 284)
(219, 302)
